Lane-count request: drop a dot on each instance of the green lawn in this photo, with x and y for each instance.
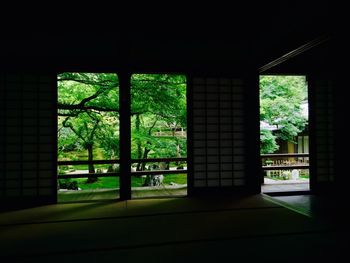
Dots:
(85, 167)
(175, 178)
(108, 182)
(113, 182)
(102, 183)
(81, 155)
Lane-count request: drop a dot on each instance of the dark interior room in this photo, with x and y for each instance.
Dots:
(224, 215)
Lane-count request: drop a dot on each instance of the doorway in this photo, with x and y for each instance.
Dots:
(284, 133)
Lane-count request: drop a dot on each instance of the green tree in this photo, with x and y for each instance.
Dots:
(158, 105)
(88, 108)
(267, 142)
(85, 128)
(280, 105)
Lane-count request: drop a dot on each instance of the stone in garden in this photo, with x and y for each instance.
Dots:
(158, 180)
(163, 166)
(113, 168)
(295, 174)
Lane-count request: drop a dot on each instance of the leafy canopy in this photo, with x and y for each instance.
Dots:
(88, 110)
(281, 98)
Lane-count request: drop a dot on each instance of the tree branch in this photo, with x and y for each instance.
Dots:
(69, 125)
(105, 83)
(82, 107)
(164, 82)
(81, 104)
(151, 128)
(93, 130)
(69, 114)
(93, 96)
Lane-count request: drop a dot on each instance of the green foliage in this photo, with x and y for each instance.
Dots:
(285, 175)
(158, 104)
(67, 140)
(175, 179)
(267, 142)
(280, 105)
(75, 87)
(88, 109)
(68, 184)
(163, 95)
(114, 182)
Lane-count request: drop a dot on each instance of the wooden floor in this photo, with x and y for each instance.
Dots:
(237, 229)
(272, 186)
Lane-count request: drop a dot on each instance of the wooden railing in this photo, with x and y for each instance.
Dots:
(285, 161)
(275, 162)
(113, 174)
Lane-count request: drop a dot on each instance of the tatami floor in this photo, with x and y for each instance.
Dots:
(220, 229)
(109, 194)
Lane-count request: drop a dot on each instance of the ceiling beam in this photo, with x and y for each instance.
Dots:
(309, 45)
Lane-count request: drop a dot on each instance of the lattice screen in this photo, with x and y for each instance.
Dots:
(323, 113)
(2, 135)
(218, 132)
(28, 144)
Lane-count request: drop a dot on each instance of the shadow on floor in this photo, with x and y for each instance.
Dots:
(327, 209)
(72, 196)
(165, 230)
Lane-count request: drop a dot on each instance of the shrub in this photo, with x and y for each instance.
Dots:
(180, 167)
(68, 184)
(286, 175)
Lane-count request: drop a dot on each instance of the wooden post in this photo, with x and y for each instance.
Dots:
(125, 136)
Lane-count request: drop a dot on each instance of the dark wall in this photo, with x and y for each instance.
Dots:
(229, 49)
(28, 144)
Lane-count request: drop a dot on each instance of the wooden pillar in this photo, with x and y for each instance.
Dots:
(254, 172)
(125, 135)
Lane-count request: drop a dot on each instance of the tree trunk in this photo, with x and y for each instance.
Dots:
(178, 150)
(138, 142)
(145, 154)
(92, 178)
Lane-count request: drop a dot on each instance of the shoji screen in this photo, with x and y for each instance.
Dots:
(28, 144)
(322, 136)
(218, 136)
(2, 135)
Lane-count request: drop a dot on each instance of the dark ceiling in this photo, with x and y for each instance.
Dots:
(244, 36)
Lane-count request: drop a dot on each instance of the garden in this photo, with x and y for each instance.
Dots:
(88, 129)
